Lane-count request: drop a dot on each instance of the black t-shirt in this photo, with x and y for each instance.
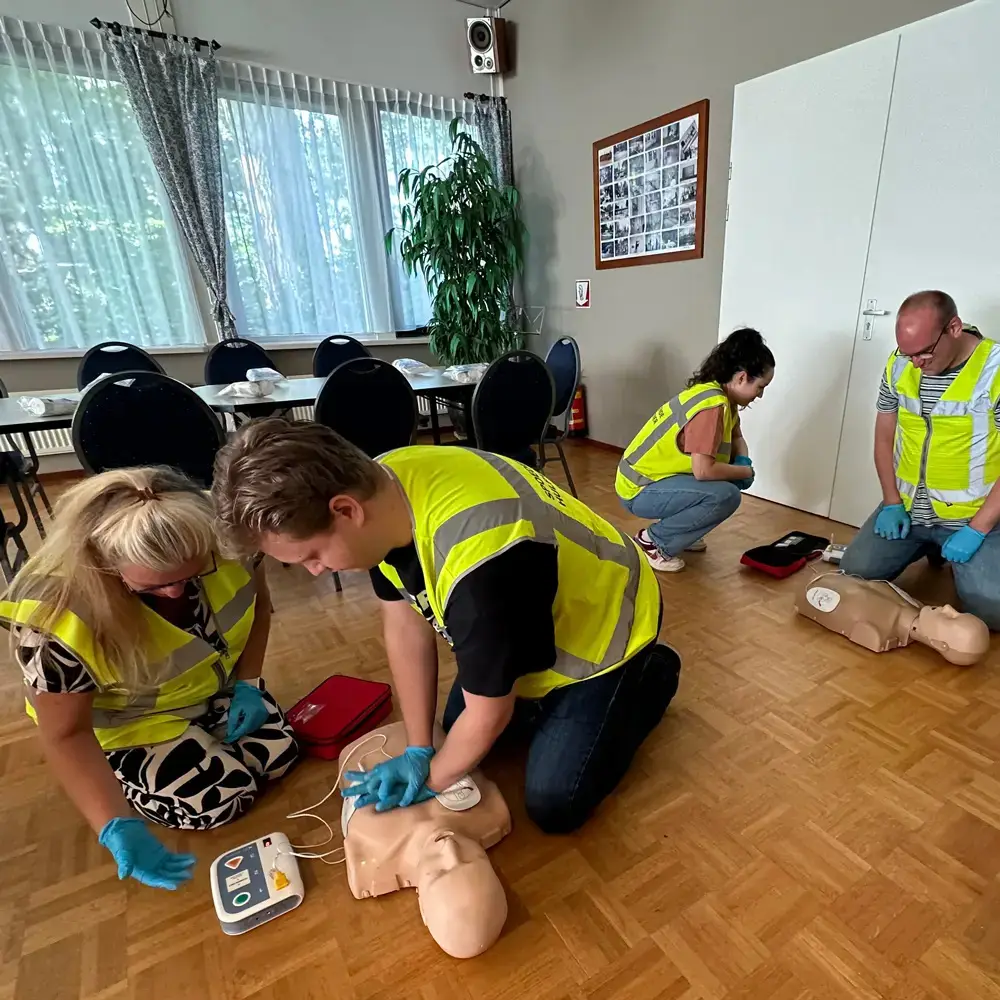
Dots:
(499, 617)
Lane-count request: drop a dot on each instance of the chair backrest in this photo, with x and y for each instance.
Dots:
(563, 360)
(512, 404)
(335, 351)
(112, 357)
(230, 360)
(146, 418)
(370, 403)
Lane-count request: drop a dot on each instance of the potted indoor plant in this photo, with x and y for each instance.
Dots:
(463, 232)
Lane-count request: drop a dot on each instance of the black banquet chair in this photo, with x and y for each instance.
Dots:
(371, 404)
(18, 452)
(512, 406)
(145, 418)
(563, 361)
(112, 357)
(335, 351)
(230, 360)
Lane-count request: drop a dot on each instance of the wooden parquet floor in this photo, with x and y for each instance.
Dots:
(809, 822)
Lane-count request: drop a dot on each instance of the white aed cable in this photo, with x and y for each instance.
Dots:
(307, 812)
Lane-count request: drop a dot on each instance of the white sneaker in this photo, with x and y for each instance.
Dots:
(698, 546)
(660, 562)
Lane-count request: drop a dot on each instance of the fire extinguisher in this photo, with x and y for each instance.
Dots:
(578, 413)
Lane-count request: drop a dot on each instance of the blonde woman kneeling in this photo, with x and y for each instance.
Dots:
(141, 650)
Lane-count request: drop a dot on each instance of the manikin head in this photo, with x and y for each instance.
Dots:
(960, 638)
(462, 902)
(303, 494)
(929, 332)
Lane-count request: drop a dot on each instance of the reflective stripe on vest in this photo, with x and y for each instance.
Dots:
(605, 611)
(653, 454)
(189, 670)
(955, 450)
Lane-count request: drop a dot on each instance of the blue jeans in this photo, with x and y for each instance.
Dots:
(582, 737)
(684, 509)
(977, 581)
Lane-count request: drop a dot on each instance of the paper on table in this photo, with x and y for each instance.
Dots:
(410, 366)
(465, 373)
(248, 390)
(47, 406)
(264, 375)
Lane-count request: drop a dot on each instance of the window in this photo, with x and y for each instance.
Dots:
(88, 251)
(290, 220)
(310, 170)
(415, 141)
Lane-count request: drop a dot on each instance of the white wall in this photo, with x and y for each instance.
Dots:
(410, 44)
(589, 68)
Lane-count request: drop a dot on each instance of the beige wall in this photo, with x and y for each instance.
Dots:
(589, 68)
(410, 44)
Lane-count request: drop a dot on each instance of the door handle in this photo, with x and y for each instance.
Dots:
(876, 312)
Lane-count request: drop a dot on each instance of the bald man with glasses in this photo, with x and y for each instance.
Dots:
(937, 455)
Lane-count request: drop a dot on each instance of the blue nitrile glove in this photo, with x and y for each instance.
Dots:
(963, 544)
(744, 484)
(892, 522)
(140, 855)
(247, 711)
(395, 782)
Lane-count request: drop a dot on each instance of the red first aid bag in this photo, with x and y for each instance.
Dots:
(338, 711)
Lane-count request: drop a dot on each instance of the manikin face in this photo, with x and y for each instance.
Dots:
(743, 390)
(461, 899)
(948, 629)
(352, 541)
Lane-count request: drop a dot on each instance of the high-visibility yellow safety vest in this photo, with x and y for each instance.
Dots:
(470, 506)
(654, 453)
(955, 450)
(191, 669)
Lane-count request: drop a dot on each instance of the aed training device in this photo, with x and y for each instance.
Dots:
(255, 883)
(833, 553)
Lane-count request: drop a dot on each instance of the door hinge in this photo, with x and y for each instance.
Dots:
(727, 212)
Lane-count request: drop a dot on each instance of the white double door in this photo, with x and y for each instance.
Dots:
(857, 178)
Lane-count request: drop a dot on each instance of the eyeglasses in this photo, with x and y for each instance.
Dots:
(927, 352)
(174, 583)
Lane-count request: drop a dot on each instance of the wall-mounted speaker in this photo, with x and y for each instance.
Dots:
(487, 44)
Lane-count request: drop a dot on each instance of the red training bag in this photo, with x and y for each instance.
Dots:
(338, 711)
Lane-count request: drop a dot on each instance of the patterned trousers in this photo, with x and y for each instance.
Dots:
(197, 782)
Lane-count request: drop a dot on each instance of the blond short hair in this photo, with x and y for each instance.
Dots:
(278, 477)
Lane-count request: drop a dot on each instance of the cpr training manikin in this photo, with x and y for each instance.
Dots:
(878, 615)
(437, 847)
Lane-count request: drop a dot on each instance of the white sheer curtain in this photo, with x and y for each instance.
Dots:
(413, 137)
(309, 169)
(88, 249)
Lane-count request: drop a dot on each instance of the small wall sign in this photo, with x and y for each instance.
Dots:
(583, 293)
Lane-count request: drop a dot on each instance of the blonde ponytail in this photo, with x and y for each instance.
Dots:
(151, 517)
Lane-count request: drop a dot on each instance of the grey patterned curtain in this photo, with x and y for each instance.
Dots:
(173, 91)
(492, 118)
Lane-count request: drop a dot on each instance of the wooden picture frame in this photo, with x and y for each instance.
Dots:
(634, 181)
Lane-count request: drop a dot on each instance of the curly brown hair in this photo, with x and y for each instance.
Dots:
(277, 476)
